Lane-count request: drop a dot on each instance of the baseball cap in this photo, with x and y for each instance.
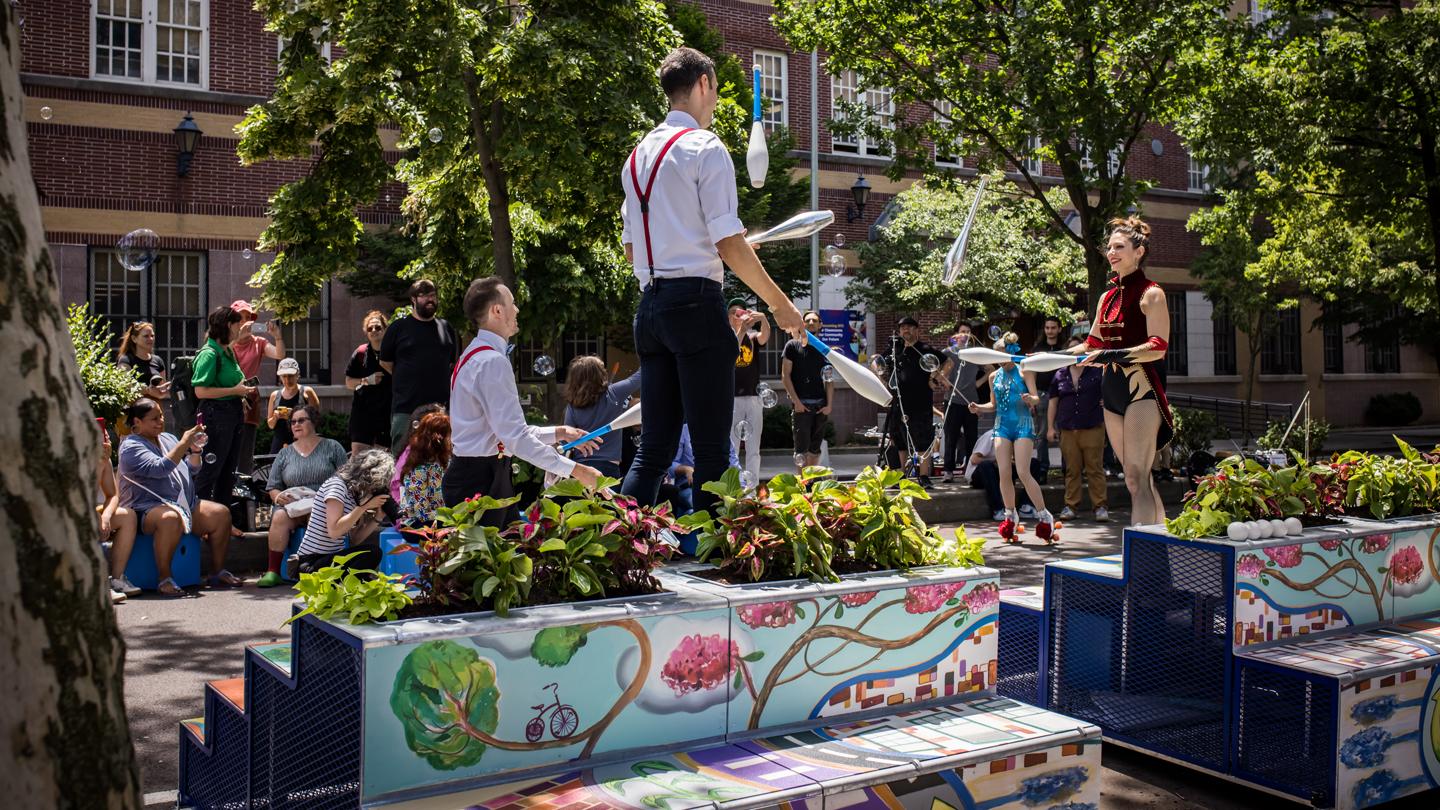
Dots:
(244, 307)
(288, 366)
(907, 321)
(737, 302)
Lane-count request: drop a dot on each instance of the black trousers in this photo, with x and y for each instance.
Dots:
(687, 376)
(367, 558)
(468, 476)
(223, 421)
(961, 430)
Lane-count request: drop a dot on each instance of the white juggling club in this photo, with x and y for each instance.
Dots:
(955, 258)
(865, 384)
(757, 157)
(803, 224)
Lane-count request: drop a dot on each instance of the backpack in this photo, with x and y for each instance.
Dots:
(183, 403)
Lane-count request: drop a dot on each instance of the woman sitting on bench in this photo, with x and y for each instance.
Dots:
(305, 462)
(156, 483)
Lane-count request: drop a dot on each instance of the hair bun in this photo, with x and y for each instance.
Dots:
(1132, 223)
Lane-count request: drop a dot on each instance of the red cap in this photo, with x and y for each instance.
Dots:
(243, 306)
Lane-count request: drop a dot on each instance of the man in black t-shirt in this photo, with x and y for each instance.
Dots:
(803, 372)
(913, 402)
(1050, 341)
(419, 352)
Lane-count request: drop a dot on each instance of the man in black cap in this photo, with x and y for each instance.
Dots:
(910, 422)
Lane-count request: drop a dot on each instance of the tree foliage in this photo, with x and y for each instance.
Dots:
(1328, 123)
(109, 388)
(1080, 78)
(1012, 259)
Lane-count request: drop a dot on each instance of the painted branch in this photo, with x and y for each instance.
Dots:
(1333, 570)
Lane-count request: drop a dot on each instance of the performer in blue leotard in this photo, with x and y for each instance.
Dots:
(1014, 396)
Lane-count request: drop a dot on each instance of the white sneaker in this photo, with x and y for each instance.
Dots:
(1067, 514)
(1102, 515)
(999, 515)
(1027, 511)
(116, 597)
(124, 586)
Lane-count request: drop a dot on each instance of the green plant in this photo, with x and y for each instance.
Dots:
(1394, 409)
(892, 534)
(109, 388)
(1388, 485)
(363, 596)
(1195, 431)
(1242, 489)
(1319, 430)
(490, 567)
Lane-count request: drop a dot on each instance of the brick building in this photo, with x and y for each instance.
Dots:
(107, 81)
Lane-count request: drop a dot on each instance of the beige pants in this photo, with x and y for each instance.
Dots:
(1084, 454)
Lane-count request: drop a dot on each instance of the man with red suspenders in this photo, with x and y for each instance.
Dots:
(487, 424)
(681, 229)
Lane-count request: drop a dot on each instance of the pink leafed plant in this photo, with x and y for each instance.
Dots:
(767, 614)
(1249, 566)
(700, 663)
(929, 598)
(1284, 556)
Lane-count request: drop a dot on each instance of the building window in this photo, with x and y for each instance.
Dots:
(151, 41)
(774, 87)
(1033, 163)
(1087, 158)
(319, 35)
(1197, 177)
(171, 294)
(1177, 356)
(1259, 12)
(845, 89)
(1224, 339)
(571, 347)
(948, 154)
(1333, 335)
(1280, 349)
(1383, 356)
(308, 341)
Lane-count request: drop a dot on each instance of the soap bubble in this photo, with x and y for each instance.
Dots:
(743, 430)
(137, 249)
(544, 365)
(827, 373)
(436, 135)
(46, 113)
(995, 332)
(762, 388)
(836, 265)
(800, 460)
(769, 399)
(210, 458)
(929, 362)
(839, 239)
(245, 254)
(747, 479)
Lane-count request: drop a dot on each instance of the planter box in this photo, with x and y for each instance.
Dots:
(887, 639)
(461, 699)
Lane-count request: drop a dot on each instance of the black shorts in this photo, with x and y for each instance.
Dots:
(1123, 386)
(809, 431)
(369, 427)
(922, 429)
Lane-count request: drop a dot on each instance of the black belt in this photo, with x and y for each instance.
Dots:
(696, 283)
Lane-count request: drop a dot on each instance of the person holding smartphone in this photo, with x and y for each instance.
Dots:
(137, 353)
(346, 517)
(221, 388)
(255, 342)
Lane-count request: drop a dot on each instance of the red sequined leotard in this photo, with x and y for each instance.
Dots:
(1122, 325)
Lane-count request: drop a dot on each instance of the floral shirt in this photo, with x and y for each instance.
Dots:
(420, 494)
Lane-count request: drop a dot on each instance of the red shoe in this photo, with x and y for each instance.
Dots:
(1046, 528)
(1007, 529)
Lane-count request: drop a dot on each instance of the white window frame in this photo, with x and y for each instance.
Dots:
(1197, 176)
(322, 320)
(943, 119)
(1034, 165)
(845, 86)
(148, 303)
(1087, 160)
(1258, 13)
(778, 113)
(149, 51)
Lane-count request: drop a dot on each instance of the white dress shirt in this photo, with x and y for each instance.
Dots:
(693, 203)
(485, 411)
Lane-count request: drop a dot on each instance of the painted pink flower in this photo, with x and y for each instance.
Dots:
(1375, 543)
(767, 614)
(929, 598)
(1330, 545)
(700, 663)
(1406, 566)
(984, 597)
(858, 598)
(1249, 566)
(1284, 556)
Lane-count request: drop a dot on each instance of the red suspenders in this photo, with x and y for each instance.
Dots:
(466, 359)
(650, 184)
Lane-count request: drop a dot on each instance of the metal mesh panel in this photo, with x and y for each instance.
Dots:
(1018, 671)
(306, 741)
(1285, 734)
(1146, 659)
(216, 780)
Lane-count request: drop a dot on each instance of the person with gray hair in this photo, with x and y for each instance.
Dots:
(347, 513)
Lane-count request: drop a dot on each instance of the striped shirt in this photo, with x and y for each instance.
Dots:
(293, 469)
(317, 539)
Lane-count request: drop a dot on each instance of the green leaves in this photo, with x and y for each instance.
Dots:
(443, 693)
(362, 596)
(109, 388)
(555, 646)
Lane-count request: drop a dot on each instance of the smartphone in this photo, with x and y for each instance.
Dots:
(157, 381)
(257, 328)
(100, 420)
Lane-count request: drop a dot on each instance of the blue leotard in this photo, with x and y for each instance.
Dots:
(1012, 415)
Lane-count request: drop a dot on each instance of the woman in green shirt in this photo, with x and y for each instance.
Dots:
(221, 388)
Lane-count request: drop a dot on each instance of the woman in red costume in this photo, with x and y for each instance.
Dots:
(1129, 339)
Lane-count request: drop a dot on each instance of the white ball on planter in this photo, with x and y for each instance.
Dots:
(1293, 525)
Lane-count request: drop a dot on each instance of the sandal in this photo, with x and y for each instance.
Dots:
(225, 579)
(168, 587)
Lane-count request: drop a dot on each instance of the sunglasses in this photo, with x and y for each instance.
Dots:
(301, 421)
(375, 328)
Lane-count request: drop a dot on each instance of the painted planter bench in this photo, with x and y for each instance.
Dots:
(1304, 665)
(877, 686)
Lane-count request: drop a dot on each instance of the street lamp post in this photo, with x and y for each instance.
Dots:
(187, 137)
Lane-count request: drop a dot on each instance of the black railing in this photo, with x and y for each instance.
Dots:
(1231, 412)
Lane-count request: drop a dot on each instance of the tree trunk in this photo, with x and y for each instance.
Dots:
(486, 120)
(64, 738)
(1254, 335)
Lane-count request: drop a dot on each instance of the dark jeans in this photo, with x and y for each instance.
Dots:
(961, 430)
(986, 475)
(687, 374)
(367, 558)
(223, 420)
(1042, 437)
(468, 476)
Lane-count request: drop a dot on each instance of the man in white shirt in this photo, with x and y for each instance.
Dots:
(487, 424)
(682, 229)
